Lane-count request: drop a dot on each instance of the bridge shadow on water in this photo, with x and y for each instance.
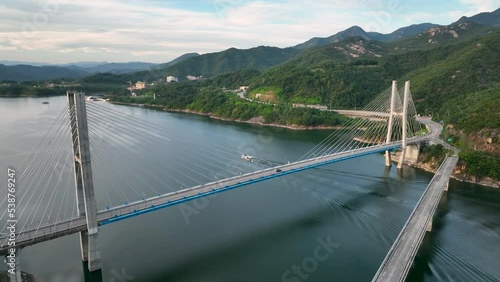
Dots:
(333, 207)
(94, 276)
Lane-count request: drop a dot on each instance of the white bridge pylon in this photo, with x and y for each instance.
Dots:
(395, 112)
(392, 114)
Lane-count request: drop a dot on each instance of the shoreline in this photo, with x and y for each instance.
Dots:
(255, 120)
(485, 181)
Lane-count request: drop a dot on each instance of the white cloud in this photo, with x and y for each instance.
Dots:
(7, 48)
(149, 30)
(419, 17)
(115, 30)
(444, 18)
(481, 5)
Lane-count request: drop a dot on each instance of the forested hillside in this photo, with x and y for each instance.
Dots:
(230, 60)
(438, 76)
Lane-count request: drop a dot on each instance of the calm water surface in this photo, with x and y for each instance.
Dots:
(261, 231)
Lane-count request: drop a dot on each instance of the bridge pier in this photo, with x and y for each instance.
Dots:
(85, 198)
(412, 153)
(429, 226)
(404, 121)
(388, 158)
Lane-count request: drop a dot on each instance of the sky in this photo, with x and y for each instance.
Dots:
(64, 31)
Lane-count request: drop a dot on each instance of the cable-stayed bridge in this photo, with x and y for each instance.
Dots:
(46, 210)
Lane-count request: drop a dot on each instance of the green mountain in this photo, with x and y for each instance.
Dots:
(453, 72)
(207, 65)
(442, 35)
(258, 58)
(414, 37)
(354, 47)
(401, 33)
(485, 19)
(319, 41)
(179, 59)
(117, 68)
(335, 77)
(488, 18)
(229, 60)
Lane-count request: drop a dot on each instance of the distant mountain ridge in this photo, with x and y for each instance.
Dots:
(413, 37)
(487, 18)
(82, 64)
(230, 60)
(114, 67)
(24, 71)
(28, 73)
(180, 59)
(403, 39)
(14, 63)
(401, 33)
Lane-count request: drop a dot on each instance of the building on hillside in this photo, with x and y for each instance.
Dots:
(192, 77)
(172, 79)
(140, 85)
(243, 88)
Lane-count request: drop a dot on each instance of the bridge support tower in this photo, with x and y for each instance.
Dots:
(404, 124)
(391, 120)
(85, 198)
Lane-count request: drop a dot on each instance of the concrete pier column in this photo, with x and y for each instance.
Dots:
(390, 121)
(85, 198)
(429, 226)
(412, 153)
(404, 121)
(446, 185)
(84, 245)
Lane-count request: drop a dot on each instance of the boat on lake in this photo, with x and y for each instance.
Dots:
(247, 157)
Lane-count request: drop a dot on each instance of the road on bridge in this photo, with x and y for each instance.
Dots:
(400, 257)
(45, 233)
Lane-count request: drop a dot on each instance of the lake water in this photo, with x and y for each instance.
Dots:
(336, 223)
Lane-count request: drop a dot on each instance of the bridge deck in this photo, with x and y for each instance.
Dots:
(398, 261)
(45, 233)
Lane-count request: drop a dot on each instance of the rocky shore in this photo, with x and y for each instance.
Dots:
(458, 174)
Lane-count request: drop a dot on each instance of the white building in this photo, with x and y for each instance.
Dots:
(191, 77)
(172, 79)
